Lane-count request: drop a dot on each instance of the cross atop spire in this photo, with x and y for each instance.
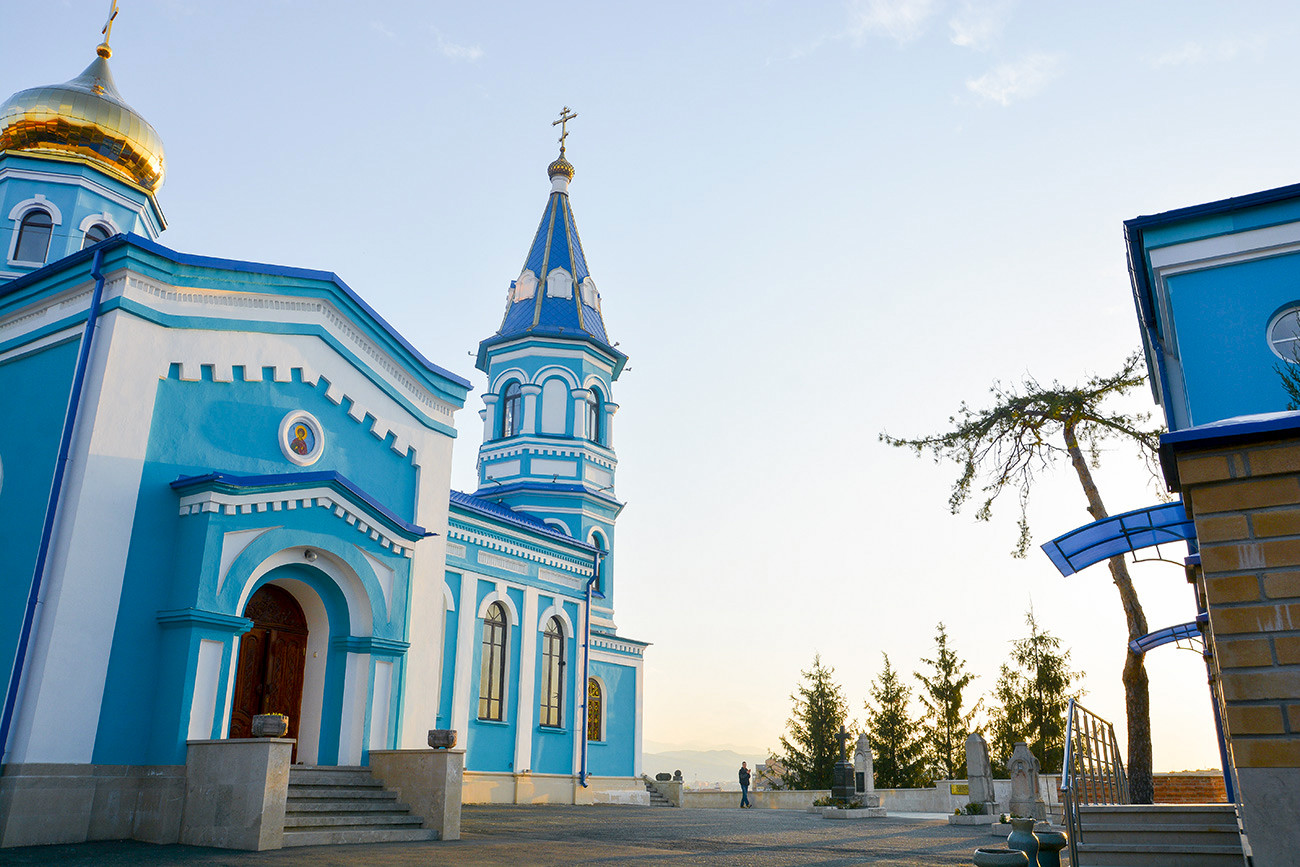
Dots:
(565, 117)
(103, 50)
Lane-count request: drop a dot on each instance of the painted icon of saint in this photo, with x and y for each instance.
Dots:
(299, 443)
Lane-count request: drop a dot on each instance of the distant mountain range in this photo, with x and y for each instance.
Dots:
(700, 766)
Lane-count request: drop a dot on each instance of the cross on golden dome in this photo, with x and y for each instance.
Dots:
(103, 50)
(565, 117)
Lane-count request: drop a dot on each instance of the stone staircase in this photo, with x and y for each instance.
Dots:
(1176, 835)
(656, 799)
(345, 805)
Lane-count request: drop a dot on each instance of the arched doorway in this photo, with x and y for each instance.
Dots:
(272, 661)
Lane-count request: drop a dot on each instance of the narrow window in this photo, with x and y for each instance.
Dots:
(595, 707)
(492, 666)
(34, 237)
(552, 673)
(593, 416)
(95, 234)
(512, 416)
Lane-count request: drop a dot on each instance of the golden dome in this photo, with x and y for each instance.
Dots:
(85, 118)
(561, 166)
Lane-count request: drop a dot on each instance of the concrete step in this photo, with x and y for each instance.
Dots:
(300, 821)
(340, 792)
(343, 836)
(307, 775)
(1147, 855)
(1165, 814)
(344, 805)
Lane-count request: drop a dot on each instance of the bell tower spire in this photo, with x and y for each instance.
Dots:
(548, 439)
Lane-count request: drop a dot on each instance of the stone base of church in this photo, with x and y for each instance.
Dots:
(42, 804)
(508, 788)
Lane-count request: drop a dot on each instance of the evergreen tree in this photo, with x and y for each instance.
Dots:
(896, 750)
(1025, 432)
(812, 749)
(945, 727)
(1031, 697)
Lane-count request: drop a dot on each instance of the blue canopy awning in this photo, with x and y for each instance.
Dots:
(1169, 635)
(1119, 534)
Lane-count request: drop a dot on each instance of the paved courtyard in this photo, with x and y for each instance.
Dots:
(547, 835)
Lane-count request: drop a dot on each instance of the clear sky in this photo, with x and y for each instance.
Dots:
(810, 222)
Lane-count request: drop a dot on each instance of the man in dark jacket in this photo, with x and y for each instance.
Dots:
(744, 786)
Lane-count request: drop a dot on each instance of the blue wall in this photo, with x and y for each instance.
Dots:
(35, 391)
(614, 757)
(1221, 316)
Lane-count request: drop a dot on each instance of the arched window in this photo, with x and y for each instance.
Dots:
(593, 416)
(512, 410)
(595, 711)
(34, 234)
(552, 673)
(1284, 334)
(95, 234)
(492, 666)
(598, 539)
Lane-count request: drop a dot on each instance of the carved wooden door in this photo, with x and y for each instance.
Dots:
(272, 662)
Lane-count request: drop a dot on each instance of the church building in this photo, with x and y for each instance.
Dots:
(227, 494)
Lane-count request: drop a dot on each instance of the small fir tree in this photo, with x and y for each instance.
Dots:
(896, 750)
(812, 748)
(945, 726)
(1031, 696)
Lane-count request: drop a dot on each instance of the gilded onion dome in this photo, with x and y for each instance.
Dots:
(85, 118)
(561, 167)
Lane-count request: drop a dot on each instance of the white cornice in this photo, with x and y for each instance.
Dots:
(112, 195)
(279, 501)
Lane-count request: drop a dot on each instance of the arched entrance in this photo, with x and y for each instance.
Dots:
(272, 661)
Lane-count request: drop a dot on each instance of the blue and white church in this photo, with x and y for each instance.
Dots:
(225, 492)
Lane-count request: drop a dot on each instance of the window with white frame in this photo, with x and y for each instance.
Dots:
(34, 233)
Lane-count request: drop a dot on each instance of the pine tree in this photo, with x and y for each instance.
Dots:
(945, 726)
(896, 751)
(812, 749)
(1026, 431)
(1031, 697)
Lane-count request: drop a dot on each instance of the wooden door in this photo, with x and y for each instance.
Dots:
(272, 662)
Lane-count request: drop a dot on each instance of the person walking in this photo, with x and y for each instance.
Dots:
(744, 786)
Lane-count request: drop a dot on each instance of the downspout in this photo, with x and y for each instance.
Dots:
(51, 507)
(586, 668)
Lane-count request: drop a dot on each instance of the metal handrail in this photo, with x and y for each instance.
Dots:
(1091, 770)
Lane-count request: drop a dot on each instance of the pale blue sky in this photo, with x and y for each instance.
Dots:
(809, 222)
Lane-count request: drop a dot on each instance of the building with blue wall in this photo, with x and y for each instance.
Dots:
(229, 494)
(1218, 304)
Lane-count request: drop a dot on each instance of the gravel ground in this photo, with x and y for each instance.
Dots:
(559, 835)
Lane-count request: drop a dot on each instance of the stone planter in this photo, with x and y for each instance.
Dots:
(1001, 857)
(1050, 844)
(270, 725)
(442, 739)
(1022, 837)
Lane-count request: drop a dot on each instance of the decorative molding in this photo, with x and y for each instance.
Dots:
(196, 618)
(117, 198)
(496, 561)
(455, 550)
(334, 318)
(371, 644)
(494, 453)
(277, 501)
(602, 642)
(496, 541)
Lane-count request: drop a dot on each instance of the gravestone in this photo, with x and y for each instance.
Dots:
(842, 787)
(1023, 767)
(864, 774)
(979, 774)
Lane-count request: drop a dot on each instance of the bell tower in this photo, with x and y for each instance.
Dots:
(548, 419)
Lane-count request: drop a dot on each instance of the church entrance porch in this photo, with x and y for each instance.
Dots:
(272, 662)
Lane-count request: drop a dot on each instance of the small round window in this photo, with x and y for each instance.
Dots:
(1284, 334)
(301, 438)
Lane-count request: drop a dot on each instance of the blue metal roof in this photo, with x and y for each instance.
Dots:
(556, 245)
(507, 515)
(1239, 430)
(1119, 534)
